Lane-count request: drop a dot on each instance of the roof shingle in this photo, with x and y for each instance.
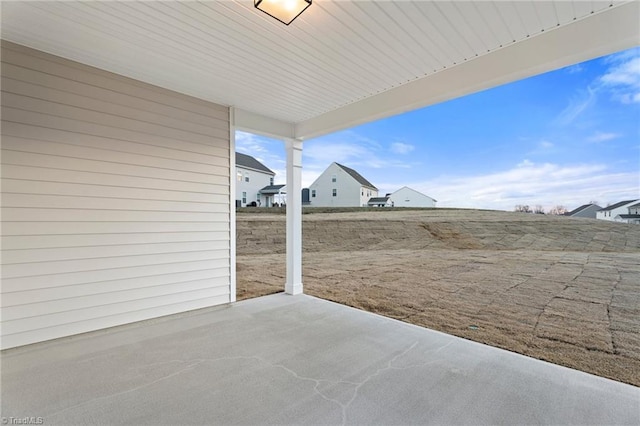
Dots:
(249, 162)
(357, 176)
(616, 205)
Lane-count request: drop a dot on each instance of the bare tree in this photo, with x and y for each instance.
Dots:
(523, 208)
(558, 210)
(538, 209)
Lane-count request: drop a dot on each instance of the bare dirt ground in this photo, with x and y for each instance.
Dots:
(559, 289)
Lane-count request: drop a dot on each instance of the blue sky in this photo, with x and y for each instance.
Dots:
(566, 137)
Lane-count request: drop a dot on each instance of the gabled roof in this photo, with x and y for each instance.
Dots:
(247, 161)
(616, 205)
(417, 192)
(272, 189)
(357, 176)
(634, 205)
(579, 209)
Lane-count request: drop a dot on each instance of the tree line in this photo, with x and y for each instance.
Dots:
(538, 209)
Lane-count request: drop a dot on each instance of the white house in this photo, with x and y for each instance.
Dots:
(610, 212)
(633, 215)
(407, 197)
(341, 186)
(251, 177)
(586, 210)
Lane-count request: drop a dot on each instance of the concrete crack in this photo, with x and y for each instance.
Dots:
(193, 363)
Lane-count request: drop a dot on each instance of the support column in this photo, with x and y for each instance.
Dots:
(293, 284)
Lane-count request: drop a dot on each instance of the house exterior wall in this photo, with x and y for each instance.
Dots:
(257, 180)
(349, 192)
(407, 197)
(115, 201)
(611, 214)
(588, 212)
(366, 194)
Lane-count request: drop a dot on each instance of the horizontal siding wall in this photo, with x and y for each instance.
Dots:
(115, 199)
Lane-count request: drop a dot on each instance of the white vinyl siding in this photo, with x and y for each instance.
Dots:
(115, 199)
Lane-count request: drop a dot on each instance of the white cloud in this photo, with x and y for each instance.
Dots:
(546, 184)
(577, 106)
(621, 81)
(575, 69)
(603, 137)
(623, 76)
(401, 148)
(350, 149)
(250, 144)
(269, 152)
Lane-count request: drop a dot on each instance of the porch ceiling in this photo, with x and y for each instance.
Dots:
(341, 63)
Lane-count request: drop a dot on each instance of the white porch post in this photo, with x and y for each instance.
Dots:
(293, 284)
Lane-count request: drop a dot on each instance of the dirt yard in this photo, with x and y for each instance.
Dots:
(554, 288)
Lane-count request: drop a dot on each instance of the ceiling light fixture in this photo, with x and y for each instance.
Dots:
(284, 11)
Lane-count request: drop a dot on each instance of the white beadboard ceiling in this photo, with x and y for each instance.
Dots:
(340, 63)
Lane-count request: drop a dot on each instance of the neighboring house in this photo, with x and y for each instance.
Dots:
(272, 194)
(634, 208)
(633, 215)
(380, 202)
(628, 218)
(586, 210)
(341, 186)
(251, 177)
(407, 197)
(610, 212)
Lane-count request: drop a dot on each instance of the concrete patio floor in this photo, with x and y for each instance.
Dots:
(295, 360)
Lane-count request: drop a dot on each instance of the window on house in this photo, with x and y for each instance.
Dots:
(271, 181)
(335, 192)
(244, 198)
(333, 178)
(313, 193)
(246, 177)
(239, 174)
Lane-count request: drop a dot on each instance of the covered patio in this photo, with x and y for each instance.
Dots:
(118, 226)
(296, 360)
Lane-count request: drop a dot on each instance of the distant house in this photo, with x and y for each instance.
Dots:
(407, 197)
(251, 177)
(341, 186)
(610, 212)
(586, 210)
(271, 195)
(634, 209)
(379, 202)
(633, 215)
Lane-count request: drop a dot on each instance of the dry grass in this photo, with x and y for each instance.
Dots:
(559, 289)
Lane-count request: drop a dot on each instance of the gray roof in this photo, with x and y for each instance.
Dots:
(271, 189)
(378, 200)
(616, 205)
(629, 216)
(357, 176)
(579, 209)
(635, 205)
(249, 162)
